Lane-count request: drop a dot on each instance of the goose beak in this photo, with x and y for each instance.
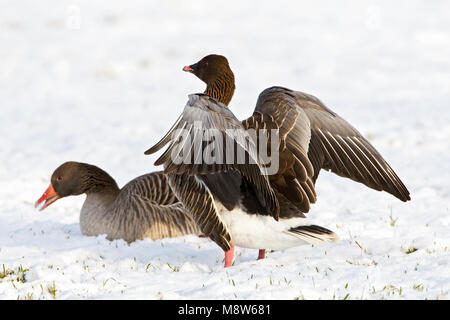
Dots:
(188, 69)
(192, 68)
(49, 196)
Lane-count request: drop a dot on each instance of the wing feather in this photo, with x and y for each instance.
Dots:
(337, 146)
(319, 139)
(201, 116)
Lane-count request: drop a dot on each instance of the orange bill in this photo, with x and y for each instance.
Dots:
(49, 196)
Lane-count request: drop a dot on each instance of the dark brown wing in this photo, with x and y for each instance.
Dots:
(312, 137)
(204, 119)
(199, 202)
(337, 146)
(189, 172)
(277, 108)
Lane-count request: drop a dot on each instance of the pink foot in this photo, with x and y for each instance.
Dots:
(229, 255)
(261, 254)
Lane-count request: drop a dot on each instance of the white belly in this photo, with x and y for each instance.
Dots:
(261, 232)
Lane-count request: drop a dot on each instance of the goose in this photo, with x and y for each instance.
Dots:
(312, 137)
(233, 201)
(144, 208)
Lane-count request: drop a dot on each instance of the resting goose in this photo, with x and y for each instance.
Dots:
(312, 137)
(144, 207)
(231, 199)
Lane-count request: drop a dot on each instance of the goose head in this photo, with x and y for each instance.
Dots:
(215, 71)
(72, 179)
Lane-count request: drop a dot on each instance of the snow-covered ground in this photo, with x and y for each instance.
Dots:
(100, 81)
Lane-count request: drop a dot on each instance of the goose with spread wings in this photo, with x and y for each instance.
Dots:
(229, 194)
(312, 137)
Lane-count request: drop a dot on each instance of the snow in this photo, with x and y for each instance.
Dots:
(100, 82)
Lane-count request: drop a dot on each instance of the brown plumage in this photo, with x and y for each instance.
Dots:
(215, 71)
(198, 184)
(199, 202)
(145, 207)
(230, 198)
(312, 137)
(230, 203)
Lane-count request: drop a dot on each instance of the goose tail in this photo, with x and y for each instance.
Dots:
(314, 234)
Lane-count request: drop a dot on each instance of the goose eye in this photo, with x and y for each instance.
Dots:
(59, 178)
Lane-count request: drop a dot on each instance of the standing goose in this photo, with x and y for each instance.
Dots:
(145, 207)
(232, 201)
(312, 137)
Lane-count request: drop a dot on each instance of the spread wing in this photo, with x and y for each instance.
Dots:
(208, 139)
(277, 108)
(329, 141)
(337, 146)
